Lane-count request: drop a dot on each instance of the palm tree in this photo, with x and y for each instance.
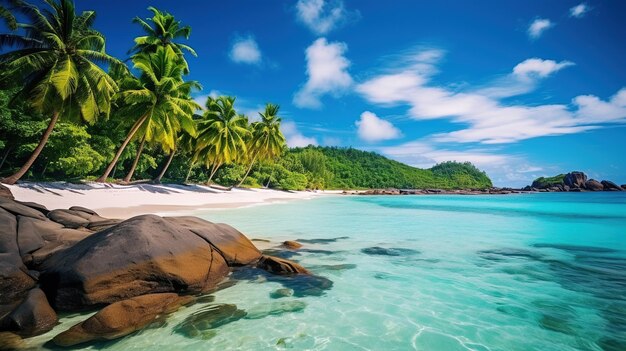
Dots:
(54, 66)
(158, 101)
(221, 134)
(166, 29)
(267, 141)
(7, 16)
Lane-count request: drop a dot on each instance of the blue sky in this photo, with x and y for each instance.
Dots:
(520, 88)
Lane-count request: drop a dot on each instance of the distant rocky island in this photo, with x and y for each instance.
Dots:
(573, 181)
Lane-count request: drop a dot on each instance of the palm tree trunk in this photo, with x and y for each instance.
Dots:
(269, 179)
(167, 165)
(129, 176)
(247, 172)
(189, 171)
(130, 135)
(6, 154)
(213, 171)
(44, 139)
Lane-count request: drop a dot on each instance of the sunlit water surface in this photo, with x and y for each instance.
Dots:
(515, 272)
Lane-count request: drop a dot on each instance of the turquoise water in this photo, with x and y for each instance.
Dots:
(515, 272)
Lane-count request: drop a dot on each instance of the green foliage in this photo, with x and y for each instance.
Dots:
(70, 152)
(546, 182)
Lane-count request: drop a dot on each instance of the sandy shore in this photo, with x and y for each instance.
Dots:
(123, 201)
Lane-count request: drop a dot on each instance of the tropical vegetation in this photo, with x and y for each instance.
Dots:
(69, 111)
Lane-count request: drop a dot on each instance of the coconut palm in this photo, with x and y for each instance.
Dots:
(55, 66)
(158, 101)
(222, 134)
(166, 29)
(267, 141)
(7, 16)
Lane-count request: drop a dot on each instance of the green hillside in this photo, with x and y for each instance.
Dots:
(348, 168)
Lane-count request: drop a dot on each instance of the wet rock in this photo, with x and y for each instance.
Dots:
(33, 316)
(275, 309)
(201, 324)
(610, 186)
(594, 185)
(393, 251)
(334, 267)
(576, 248)
(280, 293)
(231, 243)
(292, 245)
(142, 255)
(504, 253)
(280, 266)
(286, 254)
(322, 241)
(122, 318)
(307, 285)
(11, 341)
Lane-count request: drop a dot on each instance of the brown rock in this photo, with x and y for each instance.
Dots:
(5, 192)
(28, 240)
(18, 209)
(14, 279)
(235, 247)
(610, 186)
(33, 316)
(69, 219)
(142, 255)
(575, 179)
(594, 185)
(293, 245)
(41, 208)
(11, 341)
(122, 318)
(280, 266)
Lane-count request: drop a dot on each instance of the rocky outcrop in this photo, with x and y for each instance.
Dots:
(5, 192)
(145, 254)
(610, 186)
(291, 245)
(122, 318)
(575, 180)
(74, 260)
(593, 185)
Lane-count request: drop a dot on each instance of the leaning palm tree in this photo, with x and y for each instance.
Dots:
(221, 134)
(166, 29)
(158, 101)
(54, 65)
(267, 141)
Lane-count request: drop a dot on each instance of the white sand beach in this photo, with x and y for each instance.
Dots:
(123, 201)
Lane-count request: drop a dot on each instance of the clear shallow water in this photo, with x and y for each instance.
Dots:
(519, 272)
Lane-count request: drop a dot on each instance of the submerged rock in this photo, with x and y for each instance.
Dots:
(122, 318)
(322, 241)
(280, 266)
(392, 251)
(293, 245)
(280, 293)
(275, 309)
(142, 255)
(201, 324)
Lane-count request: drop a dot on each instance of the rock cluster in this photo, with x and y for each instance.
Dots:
(140, 268)
(574, 181)
(392, 191)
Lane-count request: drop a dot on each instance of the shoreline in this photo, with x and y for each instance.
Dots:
(125, 201)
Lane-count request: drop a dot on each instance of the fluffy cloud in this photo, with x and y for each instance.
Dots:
(579, 10)
(294, 137)
(538, 26)
(488, 120)
(327, 71)
(371, 128)
(321, 16)
(245, 50)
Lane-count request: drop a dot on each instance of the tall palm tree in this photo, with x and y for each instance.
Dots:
(166, 29)
(54, 64)
(6, 15)
(222, 134)
(267, 141)
(158, 101)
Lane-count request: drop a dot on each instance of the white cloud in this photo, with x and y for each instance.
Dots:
(538, 26)
(294, 137)
(579, 10)
(371, 128)
(321, 16)
(327, 73)
(245, 50)
(536, 67)
(486, 118)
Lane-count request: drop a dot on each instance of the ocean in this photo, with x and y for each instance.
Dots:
(542, 271)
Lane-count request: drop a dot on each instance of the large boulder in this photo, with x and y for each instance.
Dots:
(17, 208)
(280, 266)
(5, 192)
(122, 318)
(33, 316)
(575, 179)
(69, 218)
(142, 255)
(594, 185)
(14, 278)
(610, 186)
(235, 247)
